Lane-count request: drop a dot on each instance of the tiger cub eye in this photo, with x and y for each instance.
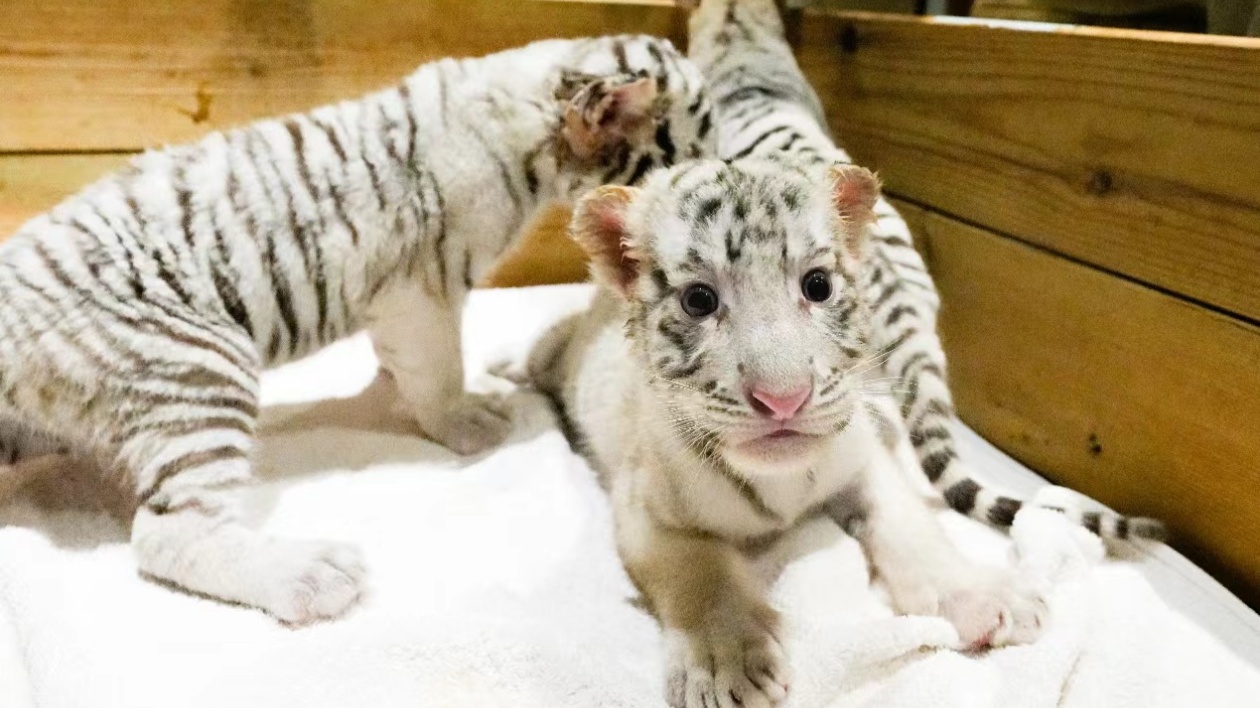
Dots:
(816, 285)
(699, 300)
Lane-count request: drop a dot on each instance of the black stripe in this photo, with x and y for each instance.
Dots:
(439, 245)
(340, 210)
(619, 52)
(896, 313)
(756, 92)
(281, 285)
(187, 461)
(640, 168)
(747, 491)
(760, 139)
(708, 209)
(706, 124)
(413, 135)
(665, 142)
(225, 284)
(962, 496)
(934, 465)
(895, 344)
(331, 133)
(1122, 527)
(112, 308)
(313, 254)
(178, 427)
(377, 187)
(504, 173)
(1003, 511)
(1092, 520)
(922, 436)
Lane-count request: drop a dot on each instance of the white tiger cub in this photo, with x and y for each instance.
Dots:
(135, 317)
(723, 397)
(763, 107)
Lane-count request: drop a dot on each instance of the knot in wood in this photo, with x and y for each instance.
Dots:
(1100, 182)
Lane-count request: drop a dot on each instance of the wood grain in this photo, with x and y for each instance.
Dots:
(1134, 397)
(124, 75)
(31, 184)
(1137, 152)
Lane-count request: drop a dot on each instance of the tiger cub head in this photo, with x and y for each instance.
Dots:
(620, 119)
(743, 306)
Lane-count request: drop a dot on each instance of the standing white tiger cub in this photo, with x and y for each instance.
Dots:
(136, 316)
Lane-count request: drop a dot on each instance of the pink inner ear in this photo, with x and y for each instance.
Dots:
(855, 191)
(617, 259)
(627, 105)
(600, 227)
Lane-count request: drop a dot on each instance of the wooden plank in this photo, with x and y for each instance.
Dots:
(545, 256)
(32, 184)
(1134, 397)
(1134, 151)
(123, 75)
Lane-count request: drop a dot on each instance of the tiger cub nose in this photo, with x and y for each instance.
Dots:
(779, 405)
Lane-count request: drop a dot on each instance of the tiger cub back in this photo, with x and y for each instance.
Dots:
(136, 316)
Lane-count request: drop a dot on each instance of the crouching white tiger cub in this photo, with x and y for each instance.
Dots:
(135, 317)
(719, 384)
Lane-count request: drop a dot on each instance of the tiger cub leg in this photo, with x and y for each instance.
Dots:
(188, 531)
(722, 636)
(184, 440)
(417, 338)
(927, 575)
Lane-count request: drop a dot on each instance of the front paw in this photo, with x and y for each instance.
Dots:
(309, 581)
(988, 608)
(469, 424)
(739, 669)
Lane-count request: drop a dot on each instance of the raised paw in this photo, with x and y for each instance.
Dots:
(470, 424)
(726, 670)
(313, 580)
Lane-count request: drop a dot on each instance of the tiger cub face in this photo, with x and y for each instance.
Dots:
(744, 313)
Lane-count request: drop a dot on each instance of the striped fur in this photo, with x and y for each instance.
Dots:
(765, 108)
(709, 483)
(135, 317)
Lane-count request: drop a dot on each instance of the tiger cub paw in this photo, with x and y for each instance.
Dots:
(994, 612)
(742, 669)
(988, 607)
(310, 581)
(470, 424)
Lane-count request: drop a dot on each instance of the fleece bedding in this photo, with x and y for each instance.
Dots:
(494, 581)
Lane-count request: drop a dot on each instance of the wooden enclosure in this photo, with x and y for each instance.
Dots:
(1088, 200)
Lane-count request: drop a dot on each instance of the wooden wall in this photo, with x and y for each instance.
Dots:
(1089, 203)
(1089, 200)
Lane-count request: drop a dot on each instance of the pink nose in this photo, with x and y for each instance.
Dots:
(779, 406)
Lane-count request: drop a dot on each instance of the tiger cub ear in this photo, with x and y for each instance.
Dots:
(854, 191)
(599, 227)
(601, 113)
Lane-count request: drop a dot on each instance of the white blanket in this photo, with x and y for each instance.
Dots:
(494, 582)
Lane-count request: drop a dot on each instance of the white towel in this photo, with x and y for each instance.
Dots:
(495, 582)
